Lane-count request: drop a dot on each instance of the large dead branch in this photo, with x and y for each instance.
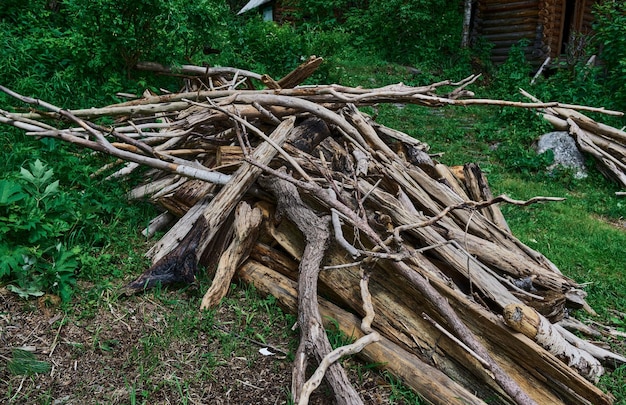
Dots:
(317, 235)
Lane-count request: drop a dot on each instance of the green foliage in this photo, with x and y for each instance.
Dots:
(324, 14)
(110, 32)
(263, 46)
(408, 31)
(400, 393)
(513, 73)
(425, 33)
(34, 215)
(86, 49)
(610, 28)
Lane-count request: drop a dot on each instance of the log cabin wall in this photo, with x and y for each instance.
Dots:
(548, 25)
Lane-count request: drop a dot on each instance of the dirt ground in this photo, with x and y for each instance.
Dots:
(155, 349)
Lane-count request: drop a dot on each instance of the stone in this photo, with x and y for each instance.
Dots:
(566, 153)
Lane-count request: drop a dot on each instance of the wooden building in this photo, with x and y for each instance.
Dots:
(550, 26)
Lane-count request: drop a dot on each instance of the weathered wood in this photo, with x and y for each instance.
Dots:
(196, 70)
(247, 225)
(400, 322)
(453, 255)
(479, 190)
(449, 178)
(178, 266)
(229, 156)
(314, 340)
(406, 222)
(529, 322)
(605, 143)
(220, 207)
(301, 73)
(429, 382)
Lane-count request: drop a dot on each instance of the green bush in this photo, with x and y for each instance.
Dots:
(87, 48)
(111, 33)
(34, 216)
(264, 47)
(610, 31)
(409, 31)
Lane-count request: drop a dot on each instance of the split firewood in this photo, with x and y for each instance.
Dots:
(246, 228)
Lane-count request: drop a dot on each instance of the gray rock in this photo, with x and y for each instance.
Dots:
(566, 153)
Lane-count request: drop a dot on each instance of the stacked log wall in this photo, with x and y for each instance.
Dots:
(503, 23)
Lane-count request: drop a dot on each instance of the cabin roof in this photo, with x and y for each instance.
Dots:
(252, 4)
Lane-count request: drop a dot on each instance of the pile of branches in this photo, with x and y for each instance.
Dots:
(294, 189)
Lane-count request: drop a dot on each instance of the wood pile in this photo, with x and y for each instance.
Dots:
(294, 189)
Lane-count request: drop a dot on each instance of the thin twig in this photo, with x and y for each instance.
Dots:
(331, 358)
(474, 205)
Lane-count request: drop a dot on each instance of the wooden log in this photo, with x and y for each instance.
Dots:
(157, 223)
(185, 196)
(454, 256)
(220, 207)
(429, 382)
(613, 168)
(529, 322)
(592, 126)
(433, 197)
(395, 302)
(247, 224)
(196, 70)
(151, 188)
(313, 339)
(508, 261)
(476, 184)
(618, 151)
(604, 356)
(301, 73)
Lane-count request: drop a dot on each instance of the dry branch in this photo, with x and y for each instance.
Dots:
(313, 341)
(246, 230)
(606, 144)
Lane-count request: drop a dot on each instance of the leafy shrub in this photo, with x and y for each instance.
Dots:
(264, 46)
(610, 28)
(86, 48)
(109, 32)
(408, 31)
(514, 73)
(34, 216)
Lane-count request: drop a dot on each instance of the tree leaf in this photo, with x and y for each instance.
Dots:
(10, 192)
(51, 188)
(27, 175)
